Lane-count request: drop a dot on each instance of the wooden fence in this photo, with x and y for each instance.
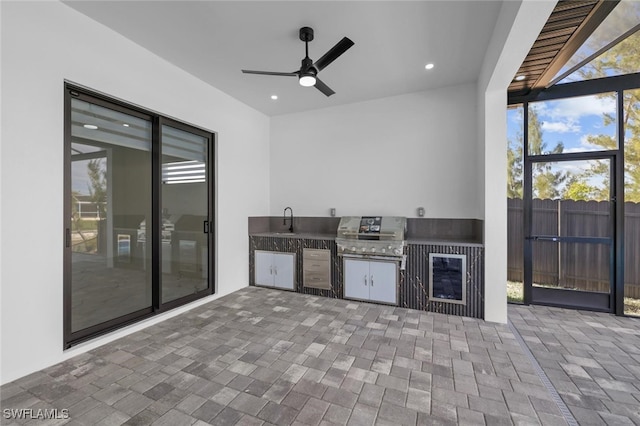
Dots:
(573, 265)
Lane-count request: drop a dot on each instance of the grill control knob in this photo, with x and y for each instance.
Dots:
(373, 249)
(353, 249)
(389, 247)
(397, 252)
(364, 249)
(383, 250)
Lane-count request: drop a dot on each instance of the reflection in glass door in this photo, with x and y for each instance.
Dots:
(185, 213)
(110, 202)
(138, 204)
(571, 239)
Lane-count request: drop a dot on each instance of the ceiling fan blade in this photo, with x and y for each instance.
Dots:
(323, 87)
(333, 53)
(270, 73)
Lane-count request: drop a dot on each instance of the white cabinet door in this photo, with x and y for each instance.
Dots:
(382, 282)
(284, 266)
(356, 279)
(264, 268)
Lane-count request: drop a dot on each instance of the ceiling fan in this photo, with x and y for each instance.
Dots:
(307, 75)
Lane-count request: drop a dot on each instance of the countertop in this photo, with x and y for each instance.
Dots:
(299, 235)
(444, 241)
(410, 240)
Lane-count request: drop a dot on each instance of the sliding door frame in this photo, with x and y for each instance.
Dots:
(71, 338)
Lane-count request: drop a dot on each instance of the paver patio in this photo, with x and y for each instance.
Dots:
(260, 357)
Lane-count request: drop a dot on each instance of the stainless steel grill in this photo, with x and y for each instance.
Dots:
(372, 236)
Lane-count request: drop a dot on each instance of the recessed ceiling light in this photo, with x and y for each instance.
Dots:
(91, 126)
(429, 66)
(125, 124)
(274, 97)
(520, 77)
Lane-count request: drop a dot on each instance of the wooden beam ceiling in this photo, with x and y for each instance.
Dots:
(568, 27)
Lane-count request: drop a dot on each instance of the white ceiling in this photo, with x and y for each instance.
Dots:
(394, 40)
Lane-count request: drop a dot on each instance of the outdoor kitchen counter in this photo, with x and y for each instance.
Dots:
(445, 242)
(410, 240)
(423, 238)
(296, 235)
(413, 282)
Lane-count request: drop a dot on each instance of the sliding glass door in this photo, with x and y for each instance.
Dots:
(110, 203)
(138, 204)
(185, 207)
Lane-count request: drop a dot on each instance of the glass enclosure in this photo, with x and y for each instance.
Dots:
(632, 202)
(574, 233)
(515, 169)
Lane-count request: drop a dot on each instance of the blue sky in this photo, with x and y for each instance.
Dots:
(569, 121)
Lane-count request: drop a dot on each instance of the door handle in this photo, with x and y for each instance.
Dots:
(554, 239)
(206, 226)
(365, 280)
(371, 280)
(67, 237)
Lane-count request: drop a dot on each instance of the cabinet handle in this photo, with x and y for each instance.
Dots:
(276, 270)
(270, 270)
(371, 280)
(365, 280)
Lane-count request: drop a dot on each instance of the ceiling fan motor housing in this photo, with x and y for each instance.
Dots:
(307, 67)
(306, 34)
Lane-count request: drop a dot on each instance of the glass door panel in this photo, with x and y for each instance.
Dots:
(632, 202)
(515, 205)
(572, 266)
(184, 249)
(572, 233)
(110, 205)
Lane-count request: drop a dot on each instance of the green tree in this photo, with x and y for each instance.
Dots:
(623, 58)
(515, 163)
(547, 183)
(98, 184)
(578, 189)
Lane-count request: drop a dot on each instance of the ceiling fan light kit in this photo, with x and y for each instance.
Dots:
(307, 74)
(307, 80)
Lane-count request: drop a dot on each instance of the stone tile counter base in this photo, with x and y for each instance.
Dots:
(413, 283)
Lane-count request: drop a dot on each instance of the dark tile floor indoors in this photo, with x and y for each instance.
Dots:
(262, 357)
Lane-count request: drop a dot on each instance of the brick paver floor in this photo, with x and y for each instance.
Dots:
(262, 357)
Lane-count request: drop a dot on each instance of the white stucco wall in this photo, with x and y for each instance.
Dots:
(517, 28)
(44, 43)
(386, 156)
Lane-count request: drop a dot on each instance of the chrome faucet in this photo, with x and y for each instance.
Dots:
(284, 216)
